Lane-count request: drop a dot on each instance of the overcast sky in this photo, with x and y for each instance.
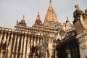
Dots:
(13, 10)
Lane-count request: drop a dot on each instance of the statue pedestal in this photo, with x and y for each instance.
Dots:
(82, 44)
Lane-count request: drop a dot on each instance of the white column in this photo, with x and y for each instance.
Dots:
(1, 46)
(14, 45)
(1, 37)
(7, 44)
(17, 46)
(50, 47)
(4, 40)
(24, 47)
(34, 42)
(6, 54)
(10, 45)
(21, 46)
(28, 47)
(31, 41)
(38, 41)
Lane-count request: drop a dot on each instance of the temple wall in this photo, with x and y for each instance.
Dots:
(16, 44)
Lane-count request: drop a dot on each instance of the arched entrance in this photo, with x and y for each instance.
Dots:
(68, 48)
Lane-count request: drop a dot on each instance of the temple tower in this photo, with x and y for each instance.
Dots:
(51, 17)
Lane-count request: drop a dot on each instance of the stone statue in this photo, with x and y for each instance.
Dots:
(77, 7)
(77, 13)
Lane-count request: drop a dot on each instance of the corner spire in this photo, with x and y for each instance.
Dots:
(67, 19)
(38, 17)
(17, 22)
(23, 17)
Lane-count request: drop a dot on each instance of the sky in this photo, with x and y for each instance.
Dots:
(13, 10)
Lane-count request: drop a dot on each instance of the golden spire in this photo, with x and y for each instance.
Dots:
(50, 6)
(51, 15)
(50, 3)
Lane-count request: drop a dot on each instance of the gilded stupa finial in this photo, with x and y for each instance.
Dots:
(50, 6)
